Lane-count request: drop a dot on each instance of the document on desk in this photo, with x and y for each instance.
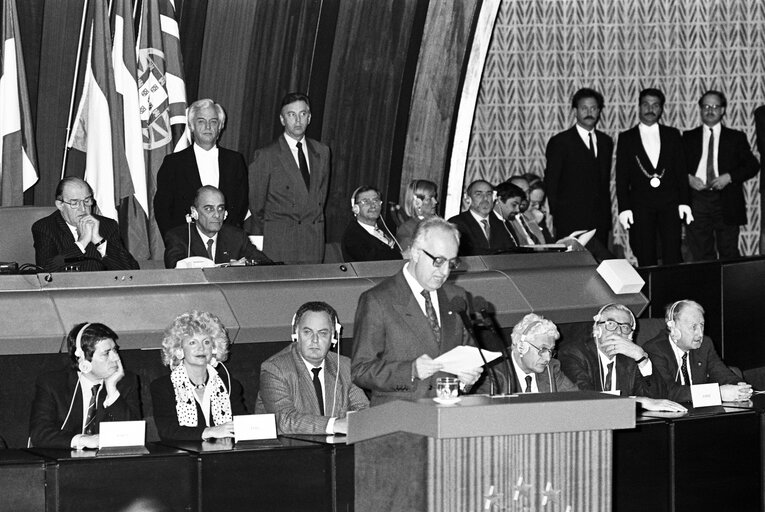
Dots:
(465, 357)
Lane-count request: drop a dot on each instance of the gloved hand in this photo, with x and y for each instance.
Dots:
(685, 211)
(625, 219)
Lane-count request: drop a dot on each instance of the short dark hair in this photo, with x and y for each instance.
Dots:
(92, 334)
(70, 180)
(292, 97)
(720, 96)
(507, 190)
(652, 92)
(584, 93)
(474, 183)
(361, 190)
(315, 307)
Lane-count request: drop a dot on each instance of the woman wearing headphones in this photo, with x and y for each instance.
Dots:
(198, 399)
(419, 203)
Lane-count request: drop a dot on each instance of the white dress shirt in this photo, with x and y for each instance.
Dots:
(207, 163)
(292, 143)
(701, 170)
(585, 135)
(651, 139)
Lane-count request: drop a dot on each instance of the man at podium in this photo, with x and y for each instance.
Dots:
(406, 321)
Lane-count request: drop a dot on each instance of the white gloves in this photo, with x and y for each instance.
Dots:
(625, 219)
(685, 211)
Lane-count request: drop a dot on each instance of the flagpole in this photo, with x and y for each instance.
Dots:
(74, 86)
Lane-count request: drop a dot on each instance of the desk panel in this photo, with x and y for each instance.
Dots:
(22, 481)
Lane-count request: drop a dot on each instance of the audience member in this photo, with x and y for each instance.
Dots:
(420, 203)
(481, 232)
(364, 239)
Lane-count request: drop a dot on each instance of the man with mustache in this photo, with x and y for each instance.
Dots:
(651, 183)
(481, 232)
(578, 171)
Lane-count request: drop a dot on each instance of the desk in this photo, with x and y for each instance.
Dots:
(22, 480)
(275, 475)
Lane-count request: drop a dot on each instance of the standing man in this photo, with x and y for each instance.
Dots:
(288, 188)
(578, 172)
(651, 183)
(363, 239)
(309, 390)
(204, 163)
(481, 232)
(719, 162)
(406, 321)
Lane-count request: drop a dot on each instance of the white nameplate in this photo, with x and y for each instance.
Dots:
(614, 392)
(249, 427)
(706, 395)
(113, 434)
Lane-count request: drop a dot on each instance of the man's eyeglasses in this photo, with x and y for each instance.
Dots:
(613, 325)
(76, 203)
(369, 202)
(707, 108)
(439, 261)
(542, 351)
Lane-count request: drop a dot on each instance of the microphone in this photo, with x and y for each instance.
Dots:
(459, 306)
(483, 308)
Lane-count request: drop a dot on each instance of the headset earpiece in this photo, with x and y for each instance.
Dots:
(523, 347)
(417, 202)
(294, 335)
(338, 330)
(674, 332)
(598, 332)
(355, 209)
(194, 213)
(83, 364)
(225, 215)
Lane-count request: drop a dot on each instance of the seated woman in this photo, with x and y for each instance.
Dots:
(420, 203)
(198, 399)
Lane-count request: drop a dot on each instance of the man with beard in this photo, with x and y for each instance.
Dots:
(481, 232)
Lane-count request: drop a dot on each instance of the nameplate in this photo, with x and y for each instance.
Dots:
(614, 392)
(112, 434)
(250, 427)
(706, 395)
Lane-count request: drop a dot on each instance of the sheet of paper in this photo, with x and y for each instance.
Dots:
(465, 357)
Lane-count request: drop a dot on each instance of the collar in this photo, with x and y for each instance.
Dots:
(676, 350)
(87, 381)
(583, 133)
(644, 128)
(478, 218)
(204, 237)
(311, 366)
(521, 375)
(199, 150)
(292, 143)
(715, 129)
(411, 281)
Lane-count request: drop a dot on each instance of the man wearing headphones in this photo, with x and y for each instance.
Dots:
(532, 367)
(210, 238)
(363, 239)
(481, 232)
(684, 356)
(70, 404)
(309, 391)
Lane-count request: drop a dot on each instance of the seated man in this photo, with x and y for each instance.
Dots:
(73, 238)
(481, 232)
(532, 368)
(683, 356)
(285, 378)
(363, 239)
(210, 237)
(612, 362)
(70, 404)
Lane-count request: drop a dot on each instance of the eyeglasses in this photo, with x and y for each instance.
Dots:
(76, 203)
(439, 261)
(613, 325)
(369, 202)
(542, 351)
(707, 108)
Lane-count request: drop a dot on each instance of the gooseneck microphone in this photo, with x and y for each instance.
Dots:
(489, 321)
(459, 306)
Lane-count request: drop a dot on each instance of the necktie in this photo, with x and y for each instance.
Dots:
(382, 237)
(303, 166)
(432, 318)
(525, 226)
(209, 249)
(684, 370)
(486, 229)
(317, 388)
(592, 145)
(90, 424)
(607, 384)
(528, 384)
(711, 158)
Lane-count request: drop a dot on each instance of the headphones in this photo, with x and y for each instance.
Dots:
(523, 346)
(83, 364)
(597, 331)
(354, 207)
(674, 332)
(335, 334)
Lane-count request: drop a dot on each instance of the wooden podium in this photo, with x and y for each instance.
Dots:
(534, 452)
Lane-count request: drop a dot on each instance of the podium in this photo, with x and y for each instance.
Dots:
(534, 452)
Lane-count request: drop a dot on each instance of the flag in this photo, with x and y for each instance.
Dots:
(162, 96)
(18, 167)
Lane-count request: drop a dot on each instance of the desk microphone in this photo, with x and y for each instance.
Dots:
(459, 306)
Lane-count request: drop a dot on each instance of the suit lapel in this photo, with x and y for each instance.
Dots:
(477, 230)
(306, 392)
(292, 170)
(67, 240)
(314, 165)
(641, 153)
(74, 423)
(192, 170)
(695, 365)
(409, 309)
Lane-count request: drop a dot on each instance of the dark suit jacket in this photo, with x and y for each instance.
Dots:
(473, 240)
(759, 124)
(703, 363)
(391, 331)
(507, 380)
(359, 245)
(166, 416)
(633, 189)
(54, 245)
(232, 244)
(286, 389)
(578, 185)
(735, 158)
(579, 361)
(51, 425)
(290, 218)
(178, 181)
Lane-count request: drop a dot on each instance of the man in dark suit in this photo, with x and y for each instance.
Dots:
(406, 321)
(204, 163)
(578, 171)
(364, 239)
(210, 237)
(759, 124)
(719, 162)
(651, 183)
(288, 188)
(70, 404)
(301, 385)
(481, 232)
(73, 238)
(532, 368)
(684, 356)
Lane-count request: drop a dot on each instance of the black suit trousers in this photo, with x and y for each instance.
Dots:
(648, 223)
(708, 235)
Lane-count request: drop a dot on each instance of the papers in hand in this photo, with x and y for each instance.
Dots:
(582, 236)
(463, 358)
